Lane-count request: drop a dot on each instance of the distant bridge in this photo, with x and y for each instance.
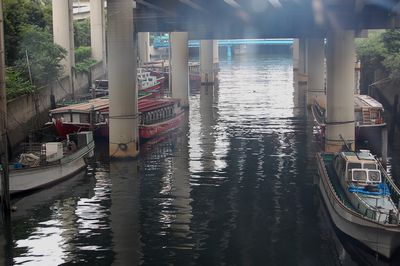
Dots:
(164, 42)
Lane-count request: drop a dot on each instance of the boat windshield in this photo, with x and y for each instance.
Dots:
(369, 166)
(374, 176)
(366, 176)
(359, 175)
(353, 165)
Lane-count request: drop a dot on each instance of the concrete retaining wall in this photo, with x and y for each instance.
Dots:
(28, 113)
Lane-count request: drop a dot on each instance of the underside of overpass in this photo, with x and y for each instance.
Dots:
(229, 19)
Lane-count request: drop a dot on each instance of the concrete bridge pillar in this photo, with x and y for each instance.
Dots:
(63, 33)
(97, 30)
(316, 79)
(206, 62)
(340, 90)
(215, 52)
(295, 54)
(123, 120)
(144, 47)
(179, 67)
(215, 57)
(302, 71)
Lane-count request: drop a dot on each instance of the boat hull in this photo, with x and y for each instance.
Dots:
(102, 130)
(30, 179)
(150, 131)
(383, 239)
(63, 129)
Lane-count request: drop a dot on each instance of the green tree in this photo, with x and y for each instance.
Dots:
(18, 14)
(82, 33)
(44, 56)
(371, 52)
(391, 42)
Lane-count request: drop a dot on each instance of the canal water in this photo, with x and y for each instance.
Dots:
(235, 186)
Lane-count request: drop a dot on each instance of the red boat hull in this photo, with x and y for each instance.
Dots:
(101, 130)
(150, 131)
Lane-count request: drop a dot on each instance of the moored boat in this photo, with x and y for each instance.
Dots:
(80, 117)
(157, 116)
(86, 115)
(148, 82)
(368, 116)
(361, 199)
(45, 164)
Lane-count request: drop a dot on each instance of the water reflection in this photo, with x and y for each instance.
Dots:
(234, 187)
(124, 194)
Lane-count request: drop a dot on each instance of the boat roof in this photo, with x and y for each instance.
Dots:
(365, 101)
(96, 104)
(146, 105)
(363, 156)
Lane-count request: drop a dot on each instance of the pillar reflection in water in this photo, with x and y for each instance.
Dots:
(299, 96)
(207, 130)
(181, 185)
(125, 211)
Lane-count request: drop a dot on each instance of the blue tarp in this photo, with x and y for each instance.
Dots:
(382, 190)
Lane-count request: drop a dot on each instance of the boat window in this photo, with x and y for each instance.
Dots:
(359, 175)
(84, 118)
(353, 166)
(369, 166)
(358, 117)
(374, 176)
(374, 114)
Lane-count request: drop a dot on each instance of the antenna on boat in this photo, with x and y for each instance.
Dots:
(348, 146)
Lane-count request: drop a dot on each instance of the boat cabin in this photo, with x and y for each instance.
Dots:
(81, 113)
(360, 168)
(367, 111)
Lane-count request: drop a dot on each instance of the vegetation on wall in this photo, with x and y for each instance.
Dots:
(83, 60)
(16, 84)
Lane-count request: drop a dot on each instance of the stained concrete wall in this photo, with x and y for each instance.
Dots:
(30, 112)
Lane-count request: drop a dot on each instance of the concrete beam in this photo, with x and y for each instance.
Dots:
(123, 119)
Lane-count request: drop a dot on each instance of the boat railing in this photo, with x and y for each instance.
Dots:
(365, 209)
(323, 167)
(394, 190)
(33, 147)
